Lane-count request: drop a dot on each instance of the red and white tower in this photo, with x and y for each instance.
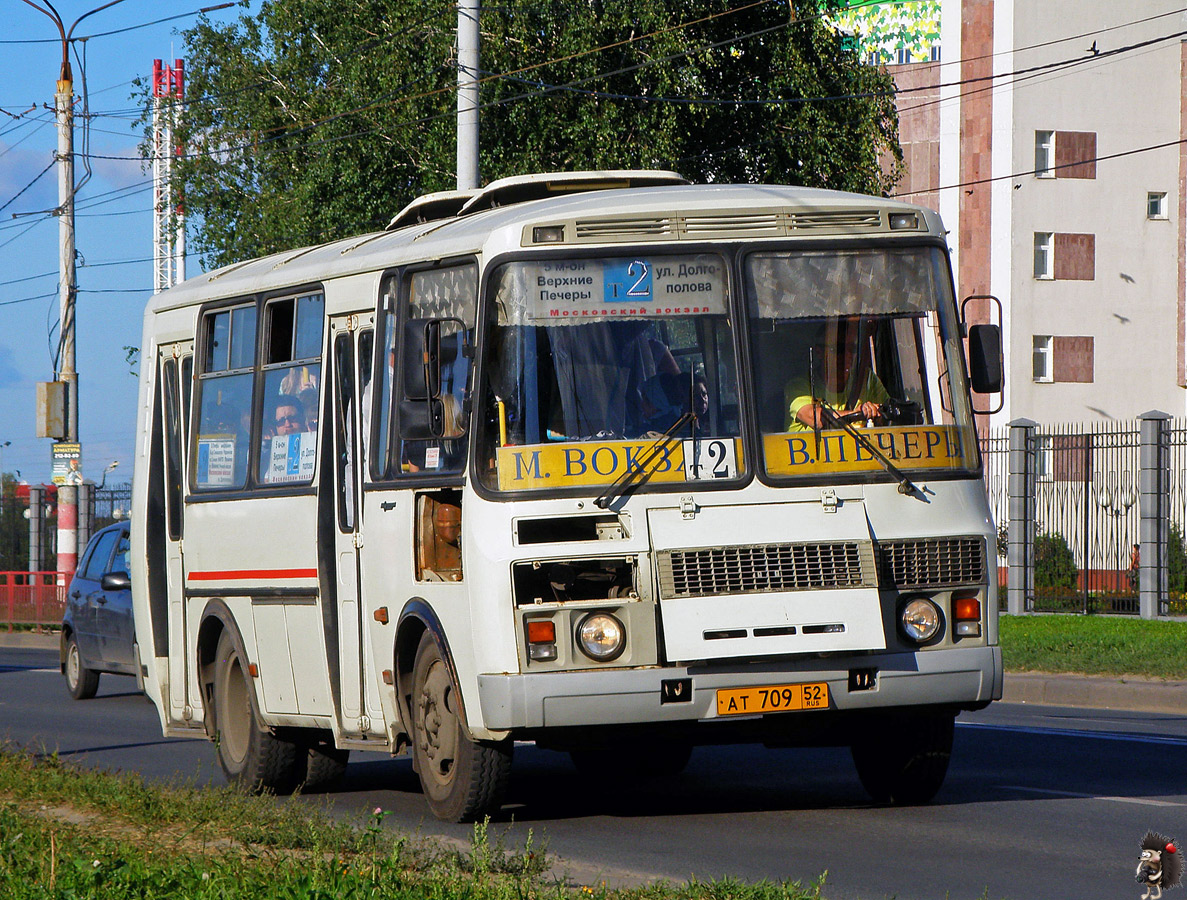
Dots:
(168, 91)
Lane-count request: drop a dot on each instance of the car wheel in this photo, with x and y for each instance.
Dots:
(80, 681)
(250, 756)
(462, 779)
(904, 762)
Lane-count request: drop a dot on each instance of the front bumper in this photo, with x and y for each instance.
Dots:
(956, 677)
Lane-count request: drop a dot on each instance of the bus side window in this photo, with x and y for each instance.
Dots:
(292, 381)
(438, 537)
(172, 449)
(225, 388)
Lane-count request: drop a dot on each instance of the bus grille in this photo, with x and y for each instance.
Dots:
(932, 562)
(765, 568)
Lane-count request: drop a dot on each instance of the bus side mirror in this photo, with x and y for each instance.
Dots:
(422, 420)
(985, 358)
(421, 360)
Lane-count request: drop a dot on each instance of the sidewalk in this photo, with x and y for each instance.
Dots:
(1128, 693)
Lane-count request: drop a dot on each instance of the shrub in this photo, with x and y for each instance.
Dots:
(1055, 565)
(1176, 558)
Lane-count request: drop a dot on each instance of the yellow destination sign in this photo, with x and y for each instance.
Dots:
(571, 464)
(908, 447)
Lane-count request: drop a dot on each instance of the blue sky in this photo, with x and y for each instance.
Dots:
(113, 222)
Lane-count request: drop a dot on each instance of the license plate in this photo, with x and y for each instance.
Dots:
(772, 698)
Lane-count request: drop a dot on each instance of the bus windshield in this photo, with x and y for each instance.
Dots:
(857, 362)
(595, 364)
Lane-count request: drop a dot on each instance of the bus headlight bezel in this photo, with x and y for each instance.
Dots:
(601, 636)
(920, 619)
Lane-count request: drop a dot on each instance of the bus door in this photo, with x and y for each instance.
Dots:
(176, 372)
(351, 346)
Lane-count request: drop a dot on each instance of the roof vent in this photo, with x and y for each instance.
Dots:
(430, 208)
(521, 188)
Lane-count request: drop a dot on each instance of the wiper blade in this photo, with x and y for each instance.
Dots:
(626, 480)
(905, 484)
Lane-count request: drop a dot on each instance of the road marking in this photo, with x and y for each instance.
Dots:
(1165, 740)
(1139, 800)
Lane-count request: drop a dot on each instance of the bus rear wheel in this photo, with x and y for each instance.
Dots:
(462, 779)
(250, 756)
(903, 761)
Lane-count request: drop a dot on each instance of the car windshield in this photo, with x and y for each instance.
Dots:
(857, 362)
(600, 367)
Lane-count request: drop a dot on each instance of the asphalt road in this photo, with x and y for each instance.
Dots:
(1039, 801)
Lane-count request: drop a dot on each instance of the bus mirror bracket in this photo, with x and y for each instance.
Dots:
(986, 364)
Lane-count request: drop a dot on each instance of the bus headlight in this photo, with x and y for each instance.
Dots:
(920, 619)
(601, 637)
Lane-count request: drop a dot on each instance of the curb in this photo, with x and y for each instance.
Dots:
(1091, 692)
(28, 640)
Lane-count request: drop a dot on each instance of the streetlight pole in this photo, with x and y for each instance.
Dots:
(2, 446)
(67, 285)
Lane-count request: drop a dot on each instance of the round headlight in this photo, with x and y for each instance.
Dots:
(601, 637)
(920, 620)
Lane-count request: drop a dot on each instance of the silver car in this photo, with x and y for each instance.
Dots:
(97, 631)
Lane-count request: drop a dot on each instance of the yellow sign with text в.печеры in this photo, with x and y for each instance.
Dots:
(592, 463)
(908, 447)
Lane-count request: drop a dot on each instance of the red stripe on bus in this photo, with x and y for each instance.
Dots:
(242, 574)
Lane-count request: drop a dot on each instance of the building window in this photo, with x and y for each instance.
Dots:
(1044, 458)
(1044, 267)
(903, 56)
(1156, 205)
(1044, 153)
(935, 52)
(1041, 359)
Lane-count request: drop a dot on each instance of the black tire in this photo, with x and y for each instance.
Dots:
(661, 759)
(250, 756)
(325, 765)
(904, 762)
(462, 780)
(81, 682)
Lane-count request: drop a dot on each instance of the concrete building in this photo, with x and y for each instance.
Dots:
(1050, 136)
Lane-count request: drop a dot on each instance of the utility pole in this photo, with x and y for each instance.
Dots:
(467, 94)
(67, 285)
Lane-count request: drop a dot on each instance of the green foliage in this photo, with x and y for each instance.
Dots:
(1055, 565)
(1176, 553)
(80, 834)
(316, 120)
(1094, 645)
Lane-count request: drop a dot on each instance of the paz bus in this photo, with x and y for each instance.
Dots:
(571, 459)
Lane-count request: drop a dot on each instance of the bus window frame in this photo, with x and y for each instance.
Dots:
(401, 276)
(252, 487)
(729, 252)
(880, 475)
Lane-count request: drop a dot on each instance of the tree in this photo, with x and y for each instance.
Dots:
(316, 119)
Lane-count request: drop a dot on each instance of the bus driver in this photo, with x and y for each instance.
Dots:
(844, 379)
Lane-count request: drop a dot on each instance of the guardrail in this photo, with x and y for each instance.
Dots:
(31, 600)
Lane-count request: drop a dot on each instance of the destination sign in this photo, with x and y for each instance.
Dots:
(572, 464)
(908, 447)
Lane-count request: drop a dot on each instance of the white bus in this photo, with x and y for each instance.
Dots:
(570, 459)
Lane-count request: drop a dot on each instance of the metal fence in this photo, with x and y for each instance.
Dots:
(33, 600)
(1083, 515)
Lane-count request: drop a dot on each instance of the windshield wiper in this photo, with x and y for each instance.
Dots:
(905, 484)
(626, 480)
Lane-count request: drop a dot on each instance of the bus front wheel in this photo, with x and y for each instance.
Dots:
(462, 779)
(902, 759)
(250, 756)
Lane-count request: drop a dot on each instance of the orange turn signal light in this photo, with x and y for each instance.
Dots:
(542, 631)
(967, 608)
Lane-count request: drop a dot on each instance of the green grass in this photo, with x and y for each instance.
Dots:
(1094, 645)
(69, 833)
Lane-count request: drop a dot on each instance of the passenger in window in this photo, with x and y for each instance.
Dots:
(298, 379)
(843, 379)
(289, 416)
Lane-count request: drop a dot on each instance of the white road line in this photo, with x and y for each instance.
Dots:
(1165, 740)
(1138, 800)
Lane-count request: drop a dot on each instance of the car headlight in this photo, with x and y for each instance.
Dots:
(920, 620)
(601, 637)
